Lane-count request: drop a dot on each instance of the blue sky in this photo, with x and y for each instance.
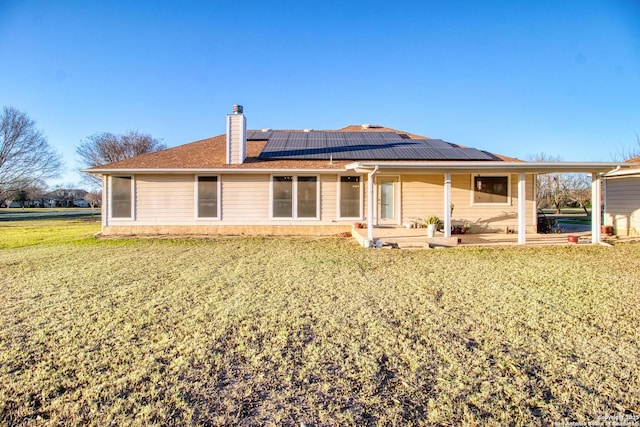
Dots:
(512, 77)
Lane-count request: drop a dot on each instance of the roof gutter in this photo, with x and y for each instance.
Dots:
(448, 166)
(619, 173)
(608, 168)
(211, 170)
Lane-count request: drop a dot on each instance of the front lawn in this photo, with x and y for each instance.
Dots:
(284, 331)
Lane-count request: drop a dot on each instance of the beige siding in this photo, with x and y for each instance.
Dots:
(328, 196)
(623, 205)
(423, 196)
(167, 199)
(245, 199)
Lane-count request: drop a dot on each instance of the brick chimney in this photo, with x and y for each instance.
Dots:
(236, 136)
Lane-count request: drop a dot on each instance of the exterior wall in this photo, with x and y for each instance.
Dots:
(164, 199)
(245, 199)
(328, 198)
(623, 205)
(165, 204)
(423, 196)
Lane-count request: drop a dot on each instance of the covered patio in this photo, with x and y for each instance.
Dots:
(394, 234)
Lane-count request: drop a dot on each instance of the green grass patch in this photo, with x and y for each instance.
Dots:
(284, 331)
(16, 234)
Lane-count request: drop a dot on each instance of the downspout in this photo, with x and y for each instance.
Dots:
(370, 205)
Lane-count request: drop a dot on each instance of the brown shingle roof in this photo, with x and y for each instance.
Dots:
(211, 154)
(634, 160)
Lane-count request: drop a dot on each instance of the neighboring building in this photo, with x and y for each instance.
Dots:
(622, 200)
(65, 198)
(321, 182)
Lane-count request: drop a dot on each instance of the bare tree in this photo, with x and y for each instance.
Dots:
(25, 154)
(626, 153)
(547, 185)
(578, 189)
(105, 147)
(93, 198)
(561, 189)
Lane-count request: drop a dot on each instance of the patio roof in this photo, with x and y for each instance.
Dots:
(477, 166)
(447, 168)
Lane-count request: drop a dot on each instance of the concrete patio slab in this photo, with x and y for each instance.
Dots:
(416, 238)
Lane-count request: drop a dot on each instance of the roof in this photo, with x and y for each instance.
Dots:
(328, 150)
(632, 169)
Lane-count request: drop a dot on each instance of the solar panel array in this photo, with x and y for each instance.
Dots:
(325, 145)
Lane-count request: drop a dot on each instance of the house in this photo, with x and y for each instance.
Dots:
(65, 198)
(59, 198)
(274, 182)
(622, 199)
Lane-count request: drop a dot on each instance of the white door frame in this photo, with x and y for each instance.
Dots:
(397, 217)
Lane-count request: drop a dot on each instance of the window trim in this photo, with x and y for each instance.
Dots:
(294, 198)
(132, 195)
(339, 200)
(218, 198)
(491, 175)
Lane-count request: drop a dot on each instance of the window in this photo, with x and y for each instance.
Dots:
(490, 189)
(121, 200)
(307, 197)
(282, 196)
(295, 197)
(350, 197)
(207, 202)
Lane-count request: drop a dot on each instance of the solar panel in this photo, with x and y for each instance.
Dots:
(258, 135)
(323, 145)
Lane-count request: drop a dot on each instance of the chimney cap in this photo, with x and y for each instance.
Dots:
(237, 109)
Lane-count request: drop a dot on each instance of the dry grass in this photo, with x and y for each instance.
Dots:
(255, 331)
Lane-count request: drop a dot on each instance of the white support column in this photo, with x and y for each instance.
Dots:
(370, 205)
(596, 212)
(447, 204)
(522, 209)
(105, 201)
